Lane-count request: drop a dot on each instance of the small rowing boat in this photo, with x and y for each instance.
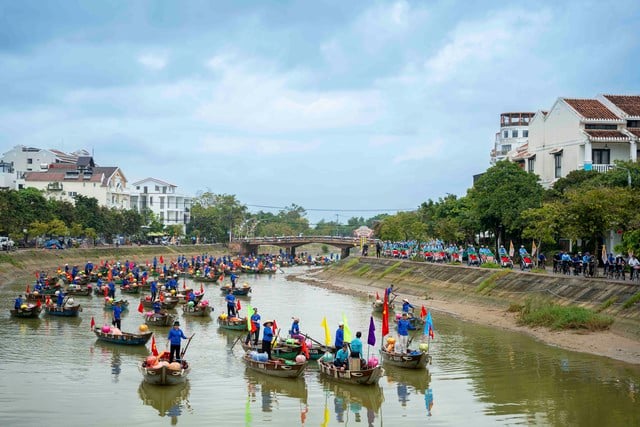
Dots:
(26, 311)
(124, 338)
(362, 376)
(276, 367)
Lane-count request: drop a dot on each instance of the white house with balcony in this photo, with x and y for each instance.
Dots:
(64, 181)
(21, 159)
(163, 199)
(587, 134)
(514, 133)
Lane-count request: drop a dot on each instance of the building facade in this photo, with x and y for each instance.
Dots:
(588, 134)
(514, 133)
(163, 199)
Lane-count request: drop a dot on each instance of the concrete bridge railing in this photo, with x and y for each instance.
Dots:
(290, 243)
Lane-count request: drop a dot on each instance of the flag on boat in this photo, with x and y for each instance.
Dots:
(201, 288)
(140, 307)
(371, 340)
(93, 322)
(238, 306)
(385, 316)
(377, 296)
(304, 349)
(512, 250)
(250, 326)
(423, 312)
(347, 331)
(154, 349)
(327, 335)
(428, 326)
(275, 325)
(534, 248)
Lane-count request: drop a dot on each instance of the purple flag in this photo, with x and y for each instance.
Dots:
(372, 333)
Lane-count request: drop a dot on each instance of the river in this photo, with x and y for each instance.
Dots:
(55, 372)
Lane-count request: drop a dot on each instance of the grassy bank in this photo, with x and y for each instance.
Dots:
(542, 312)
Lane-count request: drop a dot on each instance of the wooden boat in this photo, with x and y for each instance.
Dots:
(79, 290)
(125, 338)
(277, 351)
(280, 368)
(315, 351)
(197, 310)
(159, 319)
(237, 291)
(413, 360)
(233, 323)
(108, 305)
(130, 289)
(206, 279)
(43, 294)
(65, 310)
(367, 376)
(378, 305)
(30, 312)
(160, 374)
(166, 304)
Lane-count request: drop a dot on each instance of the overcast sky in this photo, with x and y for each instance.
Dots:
(331, 105)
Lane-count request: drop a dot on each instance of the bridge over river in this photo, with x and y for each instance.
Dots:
(290, 243)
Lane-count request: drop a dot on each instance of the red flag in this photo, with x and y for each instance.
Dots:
(385, 316)
(201, 288)
(161, 260)
(93, 322)
(105, 290)
(39, 303)
(140, 307)
(304, 349)
(28, 290)
(37, 275)
(253, 327)
(431, 332)
(221, 278)
(238, 306)
(161, 296)
(275, 325)
(154, 349)
(423, 312)
(377, 296)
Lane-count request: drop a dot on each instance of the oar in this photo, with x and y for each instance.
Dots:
(275, 339)
(315, 341)
(186, 347)
(235, 342)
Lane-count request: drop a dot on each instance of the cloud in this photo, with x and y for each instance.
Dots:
(153, 61)
(419, 152)
(231, 145)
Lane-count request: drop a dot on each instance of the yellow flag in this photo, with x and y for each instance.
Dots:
(512, 251)
(534, 248)
(327, 335)
(347, 331)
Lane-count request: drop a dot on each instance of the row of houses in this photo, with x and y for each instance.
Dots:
(575, 134)
(63, 176)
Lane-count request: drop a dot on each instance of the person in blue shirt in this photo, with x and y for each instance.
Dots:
(154, 290)
(18, 302)
(157, 306)
(175, 336)
(403, 334)
(112, 289)
(231, 304)
(523, 251)
(117, 315)
(267, 337)
(60, 298)
(342, 356)
(502, 251)
(356, 345)
(294, 332)
(255, 327)
(406, 306)
(339, 336)
(234, 278)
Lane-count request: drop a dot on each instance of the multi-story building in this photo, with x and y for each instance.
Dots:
(16, 162)
(64, 181)
(161, 198)
(587, 134)
(514, 132)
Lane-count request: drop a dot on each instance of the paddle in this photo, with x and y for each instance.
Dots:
(315, 341)
(275, 339)
(186, 347)
(235, 342)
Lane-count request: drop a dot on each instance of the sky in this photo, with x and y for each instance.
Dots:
(345, 108)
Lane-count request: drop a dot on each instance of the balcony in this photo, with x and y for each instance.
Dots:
(602, 167)
(54, 186)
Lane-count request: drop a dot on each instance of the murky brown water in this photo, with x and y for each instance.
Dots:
(55, 372)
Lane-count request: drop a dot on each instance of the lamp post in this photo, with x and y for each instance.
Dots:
(26, 233)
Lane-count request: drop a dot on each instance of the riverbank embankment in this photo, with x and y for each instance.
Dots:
(484, 295)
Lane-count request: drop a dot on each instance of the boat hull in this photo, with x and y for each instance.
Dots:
(359, 377)
(164, 375)
(276, 368)
(408, 361)
(159, 320)
(73, 311)
(233, 325)
(124, 339)
(29, 313)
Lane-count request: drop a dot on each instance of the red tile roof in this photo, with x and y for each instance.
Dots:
(591, 109)
(607, 134)
(635, 131)
(57, 173)
(630, 104)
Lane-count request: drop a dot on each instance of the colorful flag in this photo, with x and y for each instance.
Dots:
(327, 335)
(238, 306)
(377, 296)
(161, 260)
(201, 289)
(372, 332)
(28, 290)
(275, 325)
(423, 312)
(93, 322)
(250, 326)
(154, 349)
(347, 331)
(140, 307)
(385, 316)
(604, 254)
(534, 248)
(428, 326)
(161, 296)
(512, 250)
(304, 349)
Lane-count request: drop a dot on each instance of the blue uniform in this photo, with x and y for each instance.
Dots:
(267, 337)
(339, 338)
(174, 337)
(356, 347)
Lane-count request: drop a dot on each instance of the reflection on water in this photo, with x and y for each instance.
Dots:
(169, 401)
(353, 399)
(272, 389)
(115, 352)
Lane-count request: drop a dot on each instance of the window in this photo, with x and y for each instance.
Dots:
(73, 193)
(505, 134)
(161, 202)
(157, 188)
(531, 164)
(600, 156)
(151, 201)
(600, 127)
(525, 134)
(145, 189)
(514, 133)
(557, 159)
(29, 161)
(137, 187)
(633, 123)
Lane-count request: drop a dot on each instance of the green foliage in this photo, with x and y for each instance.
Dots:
(490, 265)
(363, 270)
(631, 301)
(490, 282)
(608, 303)
(390, 269)
(214, 215)
(541, 312)
(406, 272)
(324, 249)
(403, 226)
(351, 263)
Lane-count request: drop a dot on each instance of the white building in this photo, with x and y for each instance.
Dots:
(163, 200)
(587, 134)
(514, 133)
(16, 162)
(64, 181)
